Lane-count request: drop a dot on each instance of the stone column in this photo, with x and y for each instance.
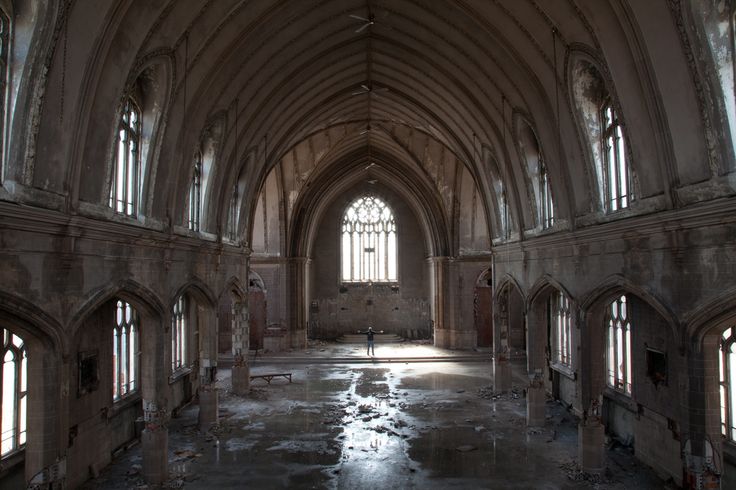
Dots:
(591, 436)
(207, 392)
(241, 345)
(442, 300)
(300, 296)
(536, 400)
(501, 363)
(155, 443)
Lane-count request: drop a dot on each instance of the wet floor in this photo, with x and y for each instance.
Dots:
(398, 425)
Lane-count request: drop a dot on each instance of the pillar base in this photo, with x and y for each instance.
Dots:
(241, 379)
(208, 407)
(536, 401)
(591, 436)
(501, 375)
(155, 447)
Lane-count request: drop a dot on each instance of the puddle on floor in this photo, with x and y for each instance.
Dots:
(353, 427)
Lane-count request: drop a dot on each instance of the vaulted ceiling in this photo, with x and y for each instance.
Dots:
(465, 74)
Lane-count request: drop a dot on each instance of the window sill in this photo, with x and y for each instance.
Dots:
(729, 451)
(620, 398)
(125, 402)
(12, 460)
(564, 370)
(179, 373)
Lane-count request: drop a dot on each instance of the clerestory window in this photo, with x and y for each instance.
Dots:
(126, 171)
(125, 351)
(616, 168)
(14, 394)
(179, 329)
(727, 383)
(232, 215)
(560, 328)
(369, 251)
(195, 194)
(618, 338)
(547, 205)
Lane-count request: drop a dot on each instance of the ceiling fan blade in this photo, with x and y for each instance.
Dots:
(361, 28)
(359, 18)
(365, 87)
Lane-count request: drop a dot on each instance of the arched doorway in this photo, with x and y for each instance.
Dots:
(257, 310)
(483, 308)
(509, 333)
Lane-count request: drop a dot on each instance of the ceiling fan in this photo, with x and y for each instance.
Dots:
(366, 22)
(367, 88)
(366, 130)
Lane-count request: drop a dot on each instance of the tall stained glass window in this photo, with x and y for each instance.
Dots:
(124, 188)
(14, 392)
(124, 351)
(618, 337)
(369, 242)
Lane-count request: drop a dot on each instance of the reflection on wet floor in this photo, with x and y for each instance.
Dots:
(404, 425)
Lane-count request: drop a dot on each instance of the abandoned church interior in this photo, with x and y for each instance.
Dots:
(534, 198)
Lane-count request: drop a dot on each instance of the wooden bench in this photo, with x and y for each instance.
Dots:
(269, 377)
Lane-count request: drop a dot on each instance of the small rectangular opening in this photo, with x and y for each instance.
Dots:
(657, 367)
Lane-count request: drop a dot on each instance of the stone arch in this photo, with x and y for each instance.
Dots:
(703, 425)
(612, 406)
(560, 380)
(718, 312)
(149, 81)
(198, 289)
(92, 319)
(589, 82)
(257, 310)
(617, 283)
(144, 299)
(230, 303)
(46, 347)
(509, 322)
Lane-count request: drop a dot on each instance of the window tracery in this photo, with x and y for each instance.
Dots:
(126, 170)
(179, 329)
(618, 352)
(369, 242)
(125, 351)
(727, 383)
(14, 392)
(195, 194)
(560, 316)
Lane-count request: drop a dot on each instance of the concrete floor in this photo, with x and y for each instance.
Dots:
(378, 425)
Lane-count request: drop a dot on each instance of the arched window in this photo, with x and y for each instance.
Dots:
(14, 393)
(560, 321)
(618, 353)
(126, 171)
(232, 215)
(179, 328)
(125, 351)
(616, 168)
(545, 190)
(195, 194)
(369, 242)
(727, 383)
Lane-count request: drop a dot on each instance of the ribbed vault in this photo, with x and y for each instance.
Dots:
(273, 73)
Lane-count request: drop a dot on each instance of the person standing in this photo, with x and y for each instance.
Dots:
(369, 334)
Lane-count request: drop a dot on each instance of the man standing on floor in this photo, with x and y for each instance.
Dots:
(370, 333)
